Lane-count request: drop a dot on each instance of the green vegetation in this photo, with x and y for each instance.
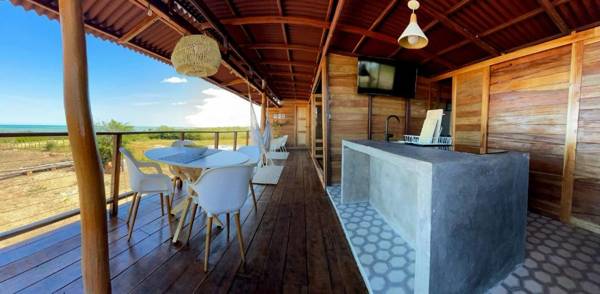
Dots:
(136, 143)
(105, 144)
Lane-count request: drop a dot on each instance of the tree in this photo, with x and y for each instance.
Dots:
(105, 142)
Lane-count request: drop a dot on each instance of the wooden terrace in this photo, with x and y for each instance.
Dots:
(294, 243)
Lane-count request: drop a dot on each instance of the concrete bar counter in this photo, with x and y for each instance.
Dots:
(464, 214)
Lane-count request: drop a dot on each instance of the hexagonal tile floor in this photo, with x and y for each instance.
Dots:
(560, 258)
(386, 260)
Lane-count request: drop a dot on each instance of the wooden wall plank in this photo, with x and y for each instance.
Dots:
(350, 111)
(586, 182)
(528, 112)
(283, 120)
(467, 111)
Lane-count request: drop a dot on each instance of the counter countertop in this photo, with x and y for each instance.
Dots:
(427, 154)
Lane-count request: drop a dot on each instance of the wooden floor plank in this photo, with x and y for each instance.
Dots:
(293, 243)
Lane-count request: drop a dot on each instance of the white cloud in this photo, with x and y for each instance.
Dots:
(220, 108)
(174, 80)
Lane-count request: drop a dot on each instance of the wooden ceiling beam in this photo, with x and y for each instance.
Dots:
(285, 37)
(214, 22)
(249, 37)
(277, 46)
(386, 11)
(283, 62)
(460, 30)
(141, 26)
(287, 73)
(234, 82)
(311, 22)
(495, 29)
(553, 14)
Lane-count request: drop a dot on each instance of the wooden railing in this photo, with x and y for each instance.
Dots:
(115, 194)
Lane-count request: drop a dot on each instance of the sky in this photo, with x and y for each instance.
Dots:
(123, 85)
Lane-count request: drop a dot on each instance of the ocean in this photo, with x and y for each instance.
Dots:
(44, 128)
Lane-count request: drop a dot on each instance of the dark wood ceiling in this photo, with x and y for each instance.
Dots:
(280, 41)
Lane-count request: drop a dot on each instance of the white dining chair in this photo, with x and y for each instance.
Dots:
(178, 175)
(283, 142)
(222, 191)
(253, 152)
(143, 183)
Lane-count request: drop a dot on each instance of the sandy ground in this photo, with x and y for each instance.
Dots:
(30, 198)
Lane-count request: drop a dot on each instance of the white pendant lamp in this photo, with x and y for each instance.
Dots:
(413, 37)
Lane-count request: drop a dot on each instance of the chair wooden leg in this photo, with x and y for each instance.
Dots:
(169, 200)
(227, 220)
(209, 221)
(182, 220)
(194, 208)
(162, 204)
(131, 207)
(253, 196)
(239, 235)
(133, 216)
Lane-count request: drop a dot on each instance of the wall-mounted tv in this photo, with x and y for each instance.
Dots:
(377, 77)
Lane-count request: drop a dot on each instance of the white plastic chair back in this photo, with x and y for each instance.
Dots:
(283, 141)
(275, 144)
(253, 152)
(135, 173)
(182, 143)
(223, 189)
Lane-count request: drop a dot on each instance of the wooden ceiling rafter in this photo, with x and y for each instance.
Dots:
(286, 73)
(386, 11)
(277, 46)
(249, 38)
(554, 16)
(285, 38)
(211, 19)
(283, 62)
(442, 18)
(145, 23)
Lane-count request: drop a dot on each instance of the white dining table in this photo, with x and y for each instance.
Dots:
(191, 161)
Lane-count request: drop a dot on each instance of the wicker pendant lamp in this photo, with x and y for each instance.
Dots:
(413, 37)
(196, 55)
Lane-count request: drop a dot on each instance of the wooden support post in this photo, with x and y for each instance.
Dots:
(247, 138)
(235, 140)
(216, 140)
(576, 73)
(453, 115)
(116, 160)
(485, 102)
(263, 112)
(90, 180)
(325, 117)
(182, 136)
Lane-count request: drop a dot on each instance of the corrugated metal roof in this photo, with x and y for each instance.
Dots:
(293, 31)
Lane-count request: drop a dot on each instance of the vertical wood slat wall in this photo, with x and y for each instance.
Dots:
(350, 111)
(545, 101)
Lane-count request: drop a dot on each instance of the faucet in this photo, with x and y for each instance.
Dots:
(387, 121)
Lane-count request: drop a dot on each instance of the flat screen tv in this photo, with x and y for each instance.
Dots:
(377, 77)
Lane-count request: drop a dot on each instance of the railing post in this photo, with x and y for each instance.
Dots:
(116, 160)
(247, 138)
(182, 136)
(234, 140)
(216, 140)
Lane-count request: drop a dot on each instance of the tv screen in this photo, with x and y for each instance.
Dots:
(386, 78)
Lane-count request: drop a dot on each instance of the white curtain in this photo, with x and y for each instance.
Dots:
(256, 138)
